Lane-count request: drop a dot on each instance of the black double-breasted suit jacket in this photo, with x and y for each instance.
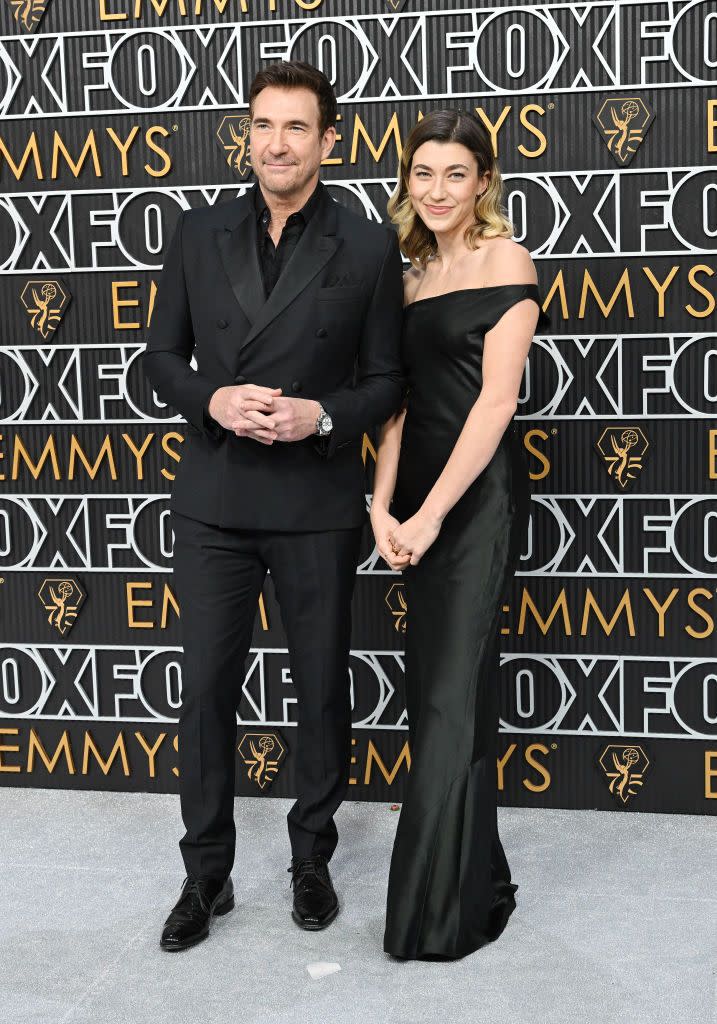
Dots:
(329, 331)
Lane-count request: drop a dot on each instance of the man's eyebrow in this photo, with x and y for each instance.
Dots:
(293, 120)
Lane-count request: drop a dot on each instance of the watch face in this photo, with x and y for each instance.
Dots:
(326, 423)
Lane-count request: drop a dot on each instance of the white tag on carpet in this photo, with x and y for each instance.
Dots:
(320, 969)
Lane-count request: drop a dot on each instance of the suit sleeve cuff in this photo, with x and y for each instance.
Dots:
(211, 427)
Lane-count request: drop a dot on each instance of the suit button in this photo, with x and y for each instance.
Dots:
(222, 323)
(296, 386)
(322, 332)
(240, 380)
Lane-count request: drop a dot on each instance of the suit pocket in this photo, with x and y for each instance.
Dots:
(341, 293)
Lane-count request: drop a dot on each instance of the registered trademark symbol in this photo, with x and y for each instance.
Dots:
(554, 746)
(551, 106)
(554, 430)
(175, 127)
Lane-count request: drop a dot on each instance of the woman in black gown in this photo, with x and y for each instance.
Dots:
(450, 508)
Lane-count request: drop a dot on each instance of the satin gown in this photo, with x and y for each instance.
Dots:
(450, 888)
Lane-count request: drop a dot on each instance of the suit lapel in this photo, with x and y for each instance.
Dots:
(237, 242)
(238, 246)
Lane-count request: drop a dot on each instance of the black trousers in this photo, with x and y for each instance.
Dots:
(218, 577)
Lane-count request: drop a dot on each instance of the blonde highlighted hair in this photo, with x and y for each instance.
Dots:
(417, 241)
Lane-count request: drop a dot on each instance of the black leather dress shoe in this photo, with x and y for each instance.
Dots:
(190, 917)
(315, 901)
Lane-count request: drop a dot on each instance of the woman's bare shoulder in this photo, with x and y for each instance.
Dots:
(507, 262)
(411, 281)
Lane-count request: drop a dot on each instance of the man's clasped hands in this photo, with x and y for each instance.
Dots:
(264, 414)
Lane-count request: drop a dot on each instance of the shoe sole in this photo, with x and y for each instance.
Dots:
(311, 926)
(176, 947)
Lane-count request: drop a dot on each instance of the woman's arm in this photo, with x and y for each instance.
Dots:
(382, 522)
(389, 447)
(504, 355)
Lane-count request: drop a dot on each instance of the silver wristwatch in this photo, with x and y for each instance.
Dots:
(323, 422)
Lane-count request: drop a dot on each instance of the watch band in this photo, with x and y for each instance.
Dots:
(322, 427)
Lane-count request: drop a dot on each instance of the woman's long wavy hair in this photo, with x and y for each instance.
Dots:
(417, 242)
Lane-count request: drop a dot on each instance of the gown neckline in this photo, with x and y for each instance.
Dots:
(460, 291)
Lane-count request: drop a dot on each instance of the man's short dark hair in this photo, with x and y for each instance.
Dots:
(296, 74)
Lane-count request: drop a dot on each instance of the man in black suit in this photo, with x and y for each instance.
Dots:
(292, 306)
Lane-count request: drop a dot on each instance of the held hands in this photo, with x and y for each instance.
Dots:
(263, 414)
(402, 544)
(383, 524)
(414, 537)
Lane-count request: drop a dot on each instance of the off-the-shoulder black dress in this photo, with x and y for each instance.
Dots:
(450, 888)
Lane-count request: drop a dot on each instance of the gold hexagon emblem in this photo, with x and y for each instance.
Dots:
(262, 752)
(622, 449)
(27, 13)
(233, 137)
(62, 597)
(625, 766)
(623, 122)
(396, 601)
(45, 302)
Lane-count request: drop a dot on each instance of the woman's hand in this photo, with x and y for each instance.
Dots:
(414, 537)
(383, 523)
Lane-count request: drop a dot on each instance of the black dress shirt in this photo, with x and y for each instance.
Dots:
(273, 258)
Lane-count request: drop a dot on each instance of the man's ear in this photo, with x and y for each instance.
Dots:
(328, 142)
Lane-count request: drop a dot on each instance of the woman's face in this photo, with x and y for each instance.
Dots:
(443, 185)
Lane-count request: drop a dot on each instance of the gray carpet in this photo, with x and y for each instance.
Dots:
(616, 922)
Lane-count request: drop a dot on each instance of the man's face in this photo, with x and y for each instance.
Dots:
(286, 145)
